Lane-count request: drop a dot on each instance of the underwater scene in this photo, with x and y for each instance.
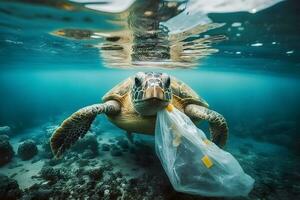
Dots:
(99, 99)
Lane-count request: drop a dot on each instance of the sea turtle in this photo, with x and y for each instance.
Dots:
(132, 105)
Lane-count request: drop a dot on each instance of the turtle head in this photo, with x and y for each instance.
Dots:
(151, 92)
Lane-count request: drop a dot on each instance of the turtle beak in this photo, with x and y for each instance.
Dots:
(154, 92)
(153, 100)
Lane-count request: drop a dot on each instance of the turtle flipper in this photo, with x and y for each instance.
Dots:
(78, 124)
(217, 123)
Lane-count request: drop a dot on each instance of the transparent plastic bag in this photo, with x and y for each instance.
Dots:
(194, 164)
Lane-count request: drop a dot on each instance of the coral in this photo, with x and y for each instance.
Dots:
(89, 141)
(107, 165)
(38, 192)
(52, 174)
(9, 188)
(6, 150)
(27, 149)
(140, 175)
(96, 173)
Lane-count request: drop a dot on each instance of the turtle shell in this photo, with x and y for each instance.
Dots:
(119, 91)
(185, 94)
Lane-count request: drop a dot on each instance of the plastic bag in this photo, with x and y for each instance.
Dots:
(194, 164)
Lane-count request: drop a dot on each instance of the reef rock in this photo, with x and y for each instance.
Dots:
(27, 149)
(5, 129)
(88, 142)
(52, 174)
(9, 188)
(6, 150)
(96, 173)
(123, 143)
(116, 151)
(46, 150)
(105, 147)
(4, 138)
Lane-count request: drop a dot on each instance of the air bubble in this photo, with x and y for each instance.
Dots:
(236, 24)
(256, 44)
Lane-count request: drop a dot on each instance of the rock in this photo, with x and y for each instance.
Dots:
(123, 144)
(51, 174)
(9, 188)
(73, 156)
(145, 155)
(105, 147)
(46, 150)
(133, 182)
(83, 162)
(132, 150)
(4, 137)
(88, 154)
(106, 192)
(41, 194)
(5, 129)
(96, 174)
(6, 150)
(27, 150)
(107, 165)
(87, 142)
(116, 151)
(111, 140)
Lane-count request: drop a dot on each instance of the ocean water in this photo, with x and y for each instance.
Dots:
(242, 57)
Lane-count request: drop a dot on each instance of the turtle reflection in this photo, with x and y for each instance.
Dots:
(144, 40)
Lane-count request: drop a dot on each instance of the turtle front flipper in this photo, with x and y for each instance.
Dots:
(78, 124)
(217, 123)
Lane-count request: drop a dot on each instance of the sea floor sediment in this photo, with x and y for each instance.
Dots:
(106, 165)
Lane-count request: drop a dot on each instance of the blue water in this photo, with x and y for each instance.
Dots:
(252, 79)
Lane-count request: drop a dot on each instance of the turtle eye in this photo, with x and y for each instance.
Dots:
(137, 82)
(168, 82)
